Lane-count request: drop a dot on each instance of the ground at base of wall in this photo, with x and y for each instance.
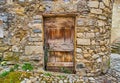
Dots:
(56, 78)
(47, 77)
(113, 76)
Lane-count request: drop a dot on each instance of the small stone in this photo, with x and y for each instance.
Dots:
(103, 48)
(93, 42)
(79, 50)
(91, 51)
(34, 39)
(99, 60)
(87, 55)
(103, 42)
(80, 21)
(90, 35)
(3, 48)
(91, 22)
(37, 81)
(91, 80)
(83, 41)
(85, 51)
(93, 4)
(102, 5)
(80, 81)
(95, 56)
(80, 65)
(15, 48)
(23, 81)
(80, 35)
(60, 81)
(106, 2)
(28, 81)
(100, 23)
(79, 56)
(65, 81)
(96, 11)
(102, 17)
(37, 31)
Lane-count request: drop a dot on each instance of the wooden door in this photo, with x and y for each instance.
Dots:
(59, 44)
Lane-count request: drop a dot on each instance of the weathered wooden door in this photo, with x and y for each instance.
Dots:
(59, 43)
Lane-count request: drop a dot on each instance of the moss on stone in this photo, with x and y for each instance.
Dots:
(15, 77)
(10, 56)
(17, 53)
(4, 48)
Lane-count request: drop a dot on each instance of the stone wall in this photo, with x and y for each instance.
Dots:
(116, 21)
(23, 32)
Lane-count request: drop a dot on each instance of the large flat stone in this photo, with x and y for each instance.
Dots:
(33, 50)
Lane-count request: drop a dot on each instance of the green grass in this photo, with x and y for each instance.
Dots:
(65, 70)
(4, 73)
(16, 66)
(47, 74)
(27, 66)
(61, 76)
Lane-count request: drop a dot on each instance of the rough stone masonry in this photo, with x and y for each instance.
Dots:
(22, 39)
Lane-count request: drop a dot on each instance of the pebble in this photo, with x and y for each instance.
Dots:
(60, 81)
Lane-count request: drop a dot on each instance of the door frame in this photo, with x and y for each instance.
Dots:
(43, 31)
